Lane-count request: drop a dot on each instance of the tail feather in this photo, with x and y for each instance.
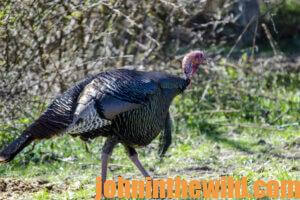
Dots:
(15, 147)
(43, 128)
(55, 120)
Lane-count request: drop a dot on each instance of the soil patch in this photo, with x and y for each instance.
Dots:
(11, 188)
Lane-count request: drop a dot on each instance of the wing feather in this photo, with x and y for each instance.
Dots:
(110, 94)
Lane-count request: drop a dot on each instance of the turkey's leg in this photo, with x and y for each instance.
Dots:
(104, 162)
(134, 158)
(107, 150)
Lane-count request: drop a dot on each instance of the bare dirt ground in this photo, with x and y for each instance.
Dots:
(17, 188)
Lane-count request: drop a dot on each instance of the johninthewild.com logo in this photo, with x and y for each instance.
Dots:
(225, 187)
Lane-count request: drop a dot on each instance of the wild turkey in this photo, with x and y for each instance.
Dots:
(126, 106)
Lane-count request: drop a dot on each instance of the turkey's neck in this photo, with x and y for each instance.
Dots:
(187, 82)
(174, 88)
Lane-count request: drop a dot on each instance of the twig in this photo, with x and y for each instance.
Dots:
(249, 126)
(205, 91)
(270, 38)
(287, 125)
(175, 6)
(280, 116)
(241, 35)
(219, 111)
(254, 41)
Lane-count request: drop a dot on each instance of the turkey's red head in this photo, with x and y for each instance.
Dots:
(191, 62)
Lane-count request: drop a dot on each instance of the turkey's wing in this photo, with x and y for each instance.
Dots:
(110, 97)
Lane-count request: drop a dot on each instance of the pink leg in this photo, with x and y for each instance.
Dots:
(107, 150)
(134, 158)
(104, 162)
(139, 165)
